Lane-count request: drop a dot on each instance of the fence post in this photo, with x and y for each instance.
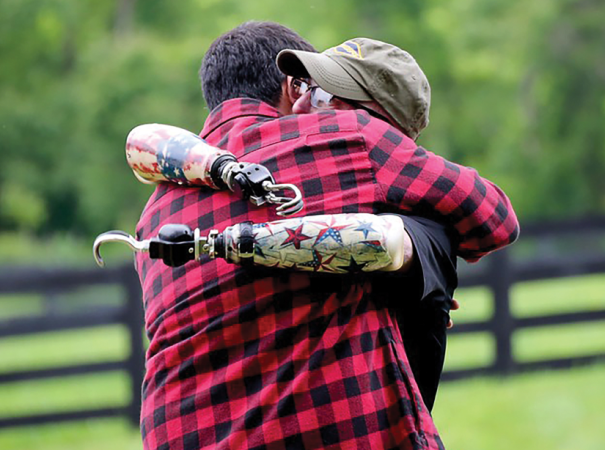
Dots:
(136, 360)
(502, 322)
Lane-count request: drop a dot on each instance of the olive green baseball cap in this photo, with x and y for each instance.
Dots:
(363, 69)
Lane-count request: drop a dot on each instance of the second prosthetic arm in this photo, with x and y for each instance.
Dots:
(336, 243)
(157, 153)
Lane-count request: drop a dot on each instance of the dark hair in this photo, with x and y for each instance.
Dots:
(241, 63)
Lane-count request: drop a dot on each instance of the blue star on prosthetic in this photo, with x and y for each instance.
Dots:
(353, 266)
(318, 263)
(365, 228)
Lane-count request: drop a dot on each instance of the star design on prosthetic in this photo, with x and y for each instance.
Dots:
(172, 172)
(171, 158)
(318, 263)
(353, 266)
(365, 228)
(331, 231)
(295, 237)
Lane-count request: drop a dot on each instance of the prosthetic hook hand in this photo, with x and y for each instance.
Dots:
(337, 243)
(159, 153)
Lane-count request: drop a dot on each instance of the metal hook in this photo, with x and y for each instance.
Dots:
(289, 205)
(117, 236)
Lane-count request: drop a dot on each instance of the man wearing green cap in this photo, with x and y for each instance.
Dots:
(362, 73)
(388, 83)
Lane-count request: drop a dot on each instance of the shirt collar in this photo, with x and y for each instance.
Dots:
(234, 108)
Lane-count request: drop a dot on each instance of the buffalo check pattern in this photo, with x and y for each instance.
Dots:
(250, 358)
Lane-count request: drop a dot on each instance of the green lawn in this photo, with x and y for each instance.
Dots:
(100, 434)
(560, 410)
(544, 410)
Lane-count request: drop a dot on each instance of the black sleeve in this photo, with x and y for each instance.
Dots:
(423, 306)
(435, 262)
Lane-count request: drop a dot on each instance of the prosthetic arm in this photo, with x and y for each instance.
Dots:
(159, 153)
(337, 243)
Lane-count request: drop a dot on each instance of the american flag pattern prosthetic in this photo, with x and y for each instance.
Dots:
(256, 358)
(310, 243)
(157, 153)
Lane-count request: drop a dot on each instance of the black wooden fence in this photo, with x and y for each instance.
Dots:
(498, 272)
(53, 282)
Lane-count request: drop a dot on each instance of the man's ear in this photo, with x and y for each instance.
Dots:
(287, 98)
(290, 91)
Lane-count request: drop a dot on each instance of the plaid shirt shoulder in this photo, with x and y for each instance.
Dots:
(251, 358)
(416, 180)
(408, 178)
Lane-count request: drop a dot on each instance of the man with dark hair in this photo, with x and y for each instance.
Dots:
(251, 358)
(237, 64)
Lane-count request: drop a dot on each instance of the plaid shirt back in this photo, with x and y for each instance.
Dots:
(259, 359)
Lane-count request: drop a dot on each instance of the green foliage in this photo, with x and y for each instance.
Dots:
(518, 92)
(12, 199)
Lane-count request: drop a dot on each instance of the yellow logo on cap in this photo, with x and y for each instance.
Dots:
(349, 48)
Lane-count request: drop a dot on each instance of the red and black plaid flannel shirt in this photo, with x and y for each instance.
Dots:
(253, 359)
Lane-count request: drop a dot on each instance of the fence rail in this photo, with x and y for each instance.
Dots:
(128, 314)
(499, 273)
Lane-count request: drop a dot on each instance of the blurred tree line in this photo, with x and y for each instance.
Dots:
(518, 93)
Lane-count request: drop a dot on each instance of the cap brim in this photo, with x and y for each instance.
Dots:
(326, 72)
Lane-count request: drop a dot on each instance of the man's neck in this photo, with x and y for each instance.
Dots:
(237, 108)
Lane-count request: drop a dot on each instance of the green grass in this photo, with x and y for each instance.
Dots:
(560, 410)
(540, 411)
(559, 341)
(98, 434)
(469, 350)
(561, 295)
(475, 305)
(545, 410)
(64, 394)
(64, 348)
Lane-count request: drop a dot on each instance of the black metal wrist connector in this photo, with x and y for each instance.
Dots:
(254, 182)
(248, 182)
(174, 245)
(177, 244)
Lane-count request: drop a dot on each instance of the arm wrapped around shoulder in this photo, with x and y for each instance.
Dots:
(337, 243)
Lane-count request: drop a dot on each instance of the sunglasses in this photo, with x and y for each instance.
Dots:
(320, 98)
